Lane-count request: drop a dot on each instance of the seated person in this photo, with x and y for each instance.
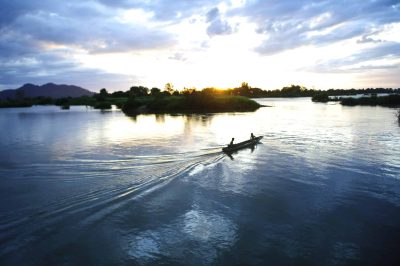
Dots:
(230, 144)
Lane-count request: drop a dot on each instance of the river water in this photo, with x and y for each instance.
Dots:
(85, 187)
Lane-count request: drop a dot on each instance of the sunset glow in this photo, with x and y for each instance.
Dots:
(201, 44)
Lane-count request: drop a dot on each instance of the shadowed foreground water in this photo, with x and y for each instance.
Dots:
(81, 187)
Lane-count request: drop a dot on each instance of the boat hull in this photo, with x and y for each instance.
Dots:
(242, 145)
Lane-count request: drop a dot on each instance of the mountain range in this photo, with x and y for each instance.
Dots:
(51, 90)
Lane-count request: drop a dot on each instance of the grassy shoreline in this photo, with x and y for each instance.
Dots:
(189, 104)
(192, 103)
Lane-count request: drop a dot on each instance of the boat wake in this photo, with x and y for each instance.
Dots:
(98, 188)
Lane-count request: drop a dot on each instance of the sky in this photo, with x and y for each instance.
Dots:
(116, 44)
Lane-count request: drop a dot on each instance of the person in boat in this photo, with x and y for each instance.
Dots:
(230, 144)
(252, 136)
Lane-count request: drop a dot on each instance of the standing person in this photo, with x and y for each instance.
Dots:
(252, 136)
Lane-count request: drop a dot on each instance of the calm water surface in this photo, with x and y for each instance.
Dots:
(84, 187)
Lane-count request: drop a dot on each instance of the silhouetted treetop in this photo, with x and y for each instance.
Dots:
(139, 91)
(169, 88)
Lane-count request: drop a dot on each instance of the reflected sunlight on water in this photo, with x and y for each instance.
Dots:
(90, 187)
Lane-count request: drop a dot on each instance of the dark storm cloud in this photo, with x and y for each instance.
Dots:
(291, 24)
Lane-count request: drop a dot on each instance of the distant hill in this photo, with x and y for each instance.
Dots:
(47, 90)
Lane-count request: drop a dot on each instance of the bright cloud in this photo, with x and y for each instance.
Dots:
(120, 43)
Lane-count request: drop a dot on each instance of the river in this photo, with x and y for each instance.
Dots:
(86, 187)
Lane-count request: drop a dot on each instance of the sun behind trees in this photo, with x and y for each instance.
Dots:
(208, 100)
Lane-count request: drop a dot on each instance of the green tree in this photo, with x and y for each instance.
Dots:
(155, 91)
(188, 91)
(322, 97)
(138, 91)
(245, 85)
(118, 94)
(102, 95)
(103, 92)
(169, 88)
(243, 90)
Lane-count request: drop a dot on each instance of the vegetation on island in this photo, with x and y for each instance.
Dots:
(189, 100)
(197, 102)
(140, 99)
(301, 91)
(322, 97)
(391, 100)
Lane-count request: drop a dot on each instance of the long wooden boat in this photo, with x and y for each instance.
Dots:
(242, 145)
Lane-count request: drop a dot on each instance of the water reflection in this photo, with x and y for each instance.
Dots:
(251, 148)
(159, 190)
(195, 237)
(160, 118)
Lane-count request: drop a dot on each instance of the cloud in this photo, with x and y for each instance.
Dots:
(217, 26)
(361, 60)
(368, 39)
(93, 33)
(43, 39)
(35, 34)
(52, 66)
(39, 39)
(212, 15)
(165, 10)
(178, 56)
(291, 24)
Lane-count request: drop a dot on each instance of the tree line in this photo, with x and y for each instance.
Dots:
(104, 99)
(243, 90)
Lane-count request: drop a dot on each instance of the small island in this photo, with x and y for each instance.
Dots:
(193, 103)
(391, 100)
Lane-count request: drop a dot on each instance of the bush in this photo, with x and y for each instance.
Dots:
(389, 101)
(62, 101)
(348, 101)
(320, 98)
(16, 103)
(102, 105)
(131, 105)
